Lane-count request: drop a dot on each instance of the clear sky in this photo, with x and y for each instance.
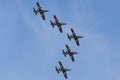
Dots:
(30, 48)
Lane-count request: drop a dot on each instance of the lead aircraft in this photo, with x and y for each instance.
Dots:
(62, 69)
(74, 36)
(57, 23)
(40, 10)
(69, 52)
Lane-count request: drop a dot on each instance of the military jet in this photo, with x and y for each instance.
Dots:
(62, 69)
(74, 36)
(40, 10)
(69, 52)
(57, 23)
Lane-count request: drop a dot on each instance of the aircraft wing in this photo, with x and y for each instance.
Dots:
(77, 42)
(65, 75)
(43, 16)
(39, 7)
(69, 50)
(72, 58)
(60, 29)
(60, 64)
(56, 19)
(73, 32)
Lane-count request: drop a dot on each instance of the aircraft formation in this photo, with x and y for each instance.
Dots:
(74, 36)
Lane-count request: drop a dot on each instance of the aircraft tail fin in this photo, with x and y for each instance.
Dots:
(34, 11)
(64, 53)
(52, 23)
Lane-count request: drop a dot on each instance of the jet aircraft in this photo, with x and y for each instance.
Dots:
(69, 52)
(74, 36)
(57, 23)
(40, 10)
(62, 69)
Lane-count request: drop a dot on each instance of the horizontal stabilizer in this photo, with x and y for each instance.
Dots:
(51, 23)
(56, 69)
(69, 37)
(64, 53)
(34, 11)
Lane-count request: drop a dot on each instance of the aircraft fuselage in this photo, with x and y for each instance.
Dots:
(62, 69)
(76, 36)
(70, 53)
(59, 23)
(42, 11)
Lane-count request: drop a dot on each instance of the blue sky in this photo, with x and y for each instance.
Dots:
(30, 47)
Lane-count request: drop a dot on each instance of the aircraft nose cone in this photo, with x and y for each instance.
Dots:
(82, 37)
